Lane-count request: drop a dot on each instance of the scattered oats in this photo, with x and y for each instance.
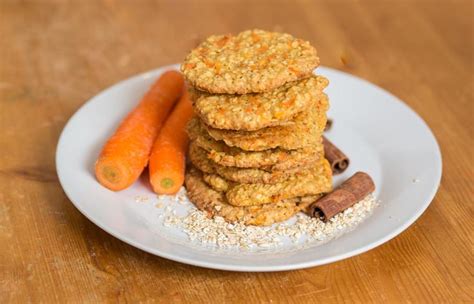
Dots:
(141, 199)
(219, 233)
(159, 205)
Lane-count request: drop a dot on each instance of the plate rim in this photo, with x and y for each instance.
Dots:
(259, 268)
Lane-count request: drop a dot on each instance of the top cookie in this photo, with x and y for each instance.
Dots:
(252, 62)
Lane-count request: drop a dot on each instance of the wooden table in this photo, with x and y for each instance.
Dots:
(53, 57)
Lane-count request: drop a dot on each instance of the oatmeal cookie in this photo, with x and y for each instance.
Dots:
(216, 182)
(251, 112)
(273, 159)
(251, 62)
(306, 130)
(199, 159)
(215, 204)
(311, 181)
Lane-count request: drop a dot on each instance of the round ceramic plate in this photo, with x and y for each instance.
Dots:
(382, 136)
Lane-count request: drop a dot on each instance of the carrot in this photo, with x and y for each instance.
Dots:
(126, 153)
(167, 160)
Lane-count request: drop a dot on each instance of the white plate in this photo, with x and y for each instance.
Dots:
(382, 136)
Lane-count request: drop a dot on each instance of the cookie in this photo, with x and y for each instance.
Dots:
(253, 61)
(312, 181)
(215, 204)
(199, 159)
(273, 159)
(251, 112)
(216, 182)
(306, 130)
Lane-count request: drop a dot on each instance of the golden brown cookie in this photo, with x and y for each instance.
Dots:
(216, 182)
(251, 112)
(215, 204)
(274, 159)
(306, 130)
(251, 62)
(310, 182)
(199, 159)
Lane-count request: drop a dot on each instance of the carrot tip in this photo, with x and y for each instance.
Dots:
(111, 174)
(167, 183)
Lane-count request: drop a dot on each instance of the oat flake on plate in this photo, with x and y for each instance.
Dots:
(221, 234)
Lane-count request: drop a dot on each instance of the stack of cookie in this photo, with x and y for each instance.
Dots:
(256, 140)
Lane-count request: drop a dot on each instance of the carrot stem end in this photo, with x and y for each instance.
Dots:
(167, 183)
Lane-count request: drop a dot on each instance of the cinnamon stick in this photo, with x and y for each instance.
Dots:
(337, 159)
(346, 195)
(328, 125)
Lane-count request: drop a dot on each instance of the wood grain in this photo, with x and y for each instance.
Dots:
(54, 55)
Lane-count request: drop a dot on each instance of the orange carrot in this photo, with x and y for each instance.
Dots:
(126, 153)
(167, 160)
